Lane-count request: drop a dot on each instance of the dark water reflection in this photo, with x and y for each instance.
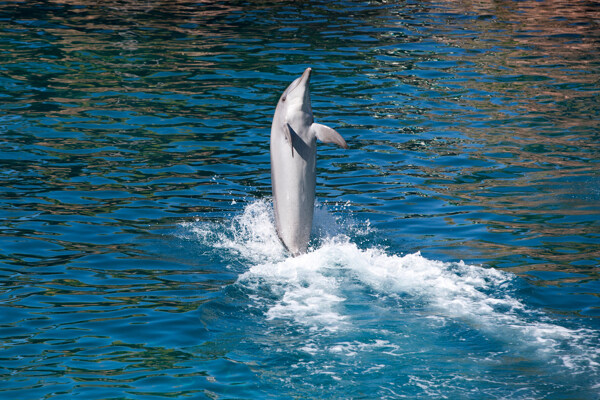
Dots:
(473, 129)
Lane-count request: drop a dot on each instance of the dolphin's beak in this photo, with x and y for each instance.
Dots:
(302, 82)
(306, 76)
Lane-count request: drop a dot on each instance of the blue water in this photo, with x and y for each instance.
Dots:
(455, 252)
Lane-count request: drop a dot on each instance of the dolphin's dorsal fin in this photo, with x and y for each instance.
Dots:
(328, 135)
(287, 130)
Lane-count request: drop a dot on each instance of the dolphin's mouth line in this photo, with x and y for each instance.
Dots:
(294, 88)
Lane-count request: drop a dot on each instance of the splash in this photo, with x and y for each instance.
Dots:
(250, 236)
(320, 291)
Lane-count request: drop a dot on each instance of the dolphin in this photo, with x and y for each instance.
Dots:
(294, 137)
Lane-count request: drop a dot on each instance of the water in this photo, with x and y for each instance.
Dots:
(456, 244)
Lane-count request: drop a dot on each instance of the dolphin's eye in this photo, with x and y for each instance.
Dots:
(283, 99)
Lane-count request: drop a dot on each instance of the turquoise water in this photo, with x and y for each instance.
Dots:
(456, 247)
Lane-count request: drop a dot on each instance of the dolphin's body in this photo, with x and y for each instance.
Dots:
(293, 162)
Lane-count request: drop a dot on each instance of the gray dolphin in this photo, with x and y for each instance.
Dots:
(293, 160)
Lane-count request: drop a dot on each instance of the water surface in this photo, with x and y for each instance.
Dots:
(456, 244)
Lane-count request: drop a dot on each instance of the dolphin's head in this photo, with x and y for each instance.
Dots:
(296, 97)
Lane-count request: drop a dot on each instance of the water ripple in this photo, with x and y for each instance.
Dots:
(136, 260)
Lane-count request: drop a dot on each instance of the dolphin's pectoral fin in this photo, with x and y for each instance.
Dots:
(287, 130)
(328, 135)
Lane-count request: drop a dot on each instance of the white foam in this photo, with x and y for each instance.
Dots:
(250, 235)
(314, 289)
(312, 285)
(306, 294)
